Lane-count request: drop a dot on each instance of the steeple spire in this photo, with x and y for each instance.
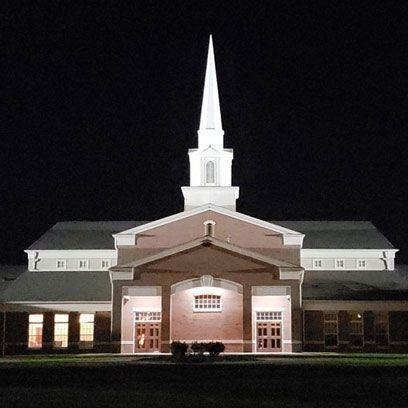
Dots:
(210, 164)
(210, 109)
(210, 132)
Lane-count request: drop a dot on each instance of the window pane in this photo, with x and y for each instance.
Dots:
(61, 318)
(35, 318)
(86, 318)
(205, 302)
(210, 172)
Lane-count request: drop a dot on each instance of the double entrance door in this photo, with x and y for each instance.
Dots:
(269, 336)
(147, 337)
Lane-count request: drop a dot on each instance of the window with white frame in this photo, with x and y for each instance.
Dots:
(210, 172)
(268, 316)
(83, 264)
(209, 228)
(86, 330)
(105, 263)
(381, 327)
(61, 264)
(356, 329)
(331, 329)
(207, 303)
(361, 263)
(61, 330)
(35, 330)
(339, 263)
(147, 316)
(317, 263)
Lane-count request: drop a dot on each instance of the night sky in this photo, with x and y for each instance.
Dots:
(101, 100)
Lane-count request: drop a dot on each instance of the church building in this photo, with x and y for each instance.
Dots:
(207, 273)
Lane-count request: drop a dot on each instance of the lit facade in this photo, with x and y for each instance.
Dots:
(208, 273)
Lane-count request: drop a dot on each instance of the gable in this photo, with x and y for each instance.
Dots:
(206, 260)
(230, 226)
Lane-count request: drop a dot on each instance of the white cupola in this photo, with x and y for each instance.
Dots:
(210, 164)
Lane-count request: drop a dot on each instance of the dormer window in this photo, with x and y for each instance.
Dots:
(83, 264)
(317, 264)
(105, 263)
(361, 263)
(61, 264)
(339, 264)
(210, 173)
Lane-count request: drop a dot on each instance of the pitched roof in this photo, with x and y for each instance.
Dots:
(8, 274)
(82, 235)
(318, 234)
(339, 234)
(356, 285)
(58, 286)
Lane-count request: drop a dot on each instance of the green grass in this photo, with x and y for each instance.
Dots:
(357, 359)
(272, 383)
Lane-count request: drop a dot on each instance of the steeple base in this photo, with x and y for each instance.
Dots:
(222, 196)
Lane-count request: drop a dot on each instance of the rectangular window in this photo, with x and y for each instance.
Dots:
(339, 263)
(331, 330)
(207, 303)
(317, 264)
(61, 264)
(105, 263)
(361, 263)
(381, 329)
(147, 316)
(83, 264)
(356, 329)
(268, 316)
(61, 330)
(35, 330)
(86, 330)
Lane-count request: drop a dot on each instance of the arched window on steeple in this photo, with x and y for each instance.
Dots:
(210, 172)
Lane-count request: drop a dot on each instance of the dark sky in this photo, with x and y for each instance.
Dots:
(101, 100)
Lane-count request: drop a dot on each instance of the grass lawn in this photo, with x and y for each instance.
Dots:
(106, 381)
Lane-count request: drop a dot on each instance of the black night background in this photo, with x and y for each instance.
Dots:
(101, 100)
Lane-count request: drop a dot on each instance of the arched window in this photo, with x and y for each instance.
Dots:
(210, 172)
(209, 228)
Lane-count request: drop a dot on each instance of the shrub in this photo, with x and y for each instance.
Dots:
(198, 348)
(178, 349)
(215, 348)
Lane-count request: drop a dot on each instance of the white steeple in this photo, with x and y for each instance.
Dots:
(210, 131)
(210, 164)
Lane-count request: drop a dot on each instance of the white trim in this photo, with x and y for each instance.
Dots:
(60, 306)
(73, 253)
(353, 305)
(293, 237)
(346, 253)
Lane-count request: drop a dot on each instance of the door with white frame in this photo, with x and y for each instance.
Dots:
(269, 331)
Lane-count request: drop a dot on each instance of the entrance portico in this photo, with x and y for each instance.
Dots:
(169, 298)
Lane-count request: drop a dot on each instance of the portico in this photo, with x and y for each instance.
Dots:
(243, 302)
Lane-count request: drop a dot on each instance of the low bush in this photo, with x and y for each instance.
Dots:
(178, 349)
(215, 348)
(198, 348)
